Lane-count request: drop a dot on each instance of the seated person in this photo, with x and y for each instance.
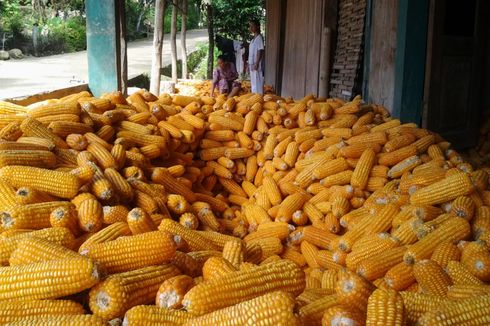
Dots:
(224, 77)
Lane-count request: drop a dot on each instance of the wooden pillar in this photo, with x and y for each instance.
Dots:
(411, 45)
(274, 42)
(106, 46)
(325, 60)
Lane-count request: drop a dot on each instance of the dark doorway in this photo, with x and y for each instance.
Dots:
(455, 70)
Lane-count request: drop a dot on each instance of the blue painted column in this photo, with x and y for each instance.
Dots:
(104, 45)
(411, 48)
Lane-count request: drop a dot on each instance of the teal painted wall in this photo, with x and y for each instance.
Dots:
(101, 46)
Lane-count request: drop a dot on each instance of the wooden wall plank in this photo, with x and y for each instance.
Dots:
(382, 53)
(301, 48)
(313, 47)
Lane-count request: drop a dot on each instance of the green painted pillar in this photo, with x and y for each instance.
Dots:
(411, 48)
(105, 35)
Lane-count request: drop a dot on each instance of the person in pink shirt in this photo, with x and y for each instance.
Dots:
(224, 78)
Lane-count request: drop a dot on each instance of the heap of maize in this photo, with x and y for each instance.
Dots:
(257, 210)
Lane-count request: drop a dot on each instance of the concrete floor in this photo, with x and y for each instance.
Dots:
(33, 75)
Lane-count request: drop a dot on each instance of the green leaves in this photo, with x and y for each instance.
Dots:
(231, 17)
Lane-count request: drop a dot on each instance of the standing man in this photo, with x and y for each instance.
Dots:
(255, 57)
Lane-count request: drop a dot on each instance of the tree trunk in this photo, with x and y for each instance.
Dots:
(183, 48)
(209, 9)
(138, 23)
(156, 61)
(173, 40)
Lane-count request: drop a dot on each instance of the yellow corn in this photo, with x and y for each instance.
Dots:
(171, 292)
(59, 184)
(109, 233)
(445, 190)
(416, 304)
(72, 276)
(120, 292)
(431, 277)
(470, 311)
(385, 307)
(454, 229)
(31, 216)
(138, 251)
(444, 253)
(242, 285)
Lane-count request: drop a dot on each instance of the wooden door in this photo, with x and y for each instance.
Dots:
(456, 51)
(303, 28)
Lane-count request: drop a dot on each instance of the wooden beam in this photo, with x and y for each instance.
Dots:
(104, 32)
(410, 58)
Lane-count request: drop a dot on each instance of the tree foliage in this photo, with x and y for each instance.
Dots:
(231, 17)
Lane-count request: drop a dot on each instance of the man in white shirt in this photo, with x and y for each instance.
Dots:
(255, 57)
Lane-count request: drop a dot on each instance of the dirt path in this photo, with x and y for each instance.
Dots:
(34, 75)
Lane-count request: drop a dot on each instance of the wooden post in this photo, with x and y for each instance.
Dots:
(209, 9)
(183, 47)
(173, 40)
(123, 57)
(156, 61)
(325, 50)
(104, 48)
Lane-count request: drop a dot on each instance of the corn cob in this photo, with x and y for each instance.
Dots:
(120, 292)
(61, 320)
(56, 183)
(464, 312)
(385, 307)
(13, 310)
(352, 290)
(443, 191)
(72, 276)
(464, 207)
(33, 250)
(216, 267)
(400, 277)
(478, 264)
(195, 240)
(152, 315)
(109, 233)
(138, 251)
(11, 108)
(312, 313)
(32, 127)
(33, 216)
(464, 291)
(460, 275)
(342, 313)
(416, 304)
(172, 291)
(431, 277)
(172, 185)
(444, 253)
(113, 214)
(289, 205)
(140, 222)
(377, 265)
(451, 230)
(65, 216)
(242, 285)
(253, 311)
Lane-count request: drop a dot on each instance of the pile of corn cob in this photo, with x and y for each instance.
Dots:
(254, 210)
(203, 87)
